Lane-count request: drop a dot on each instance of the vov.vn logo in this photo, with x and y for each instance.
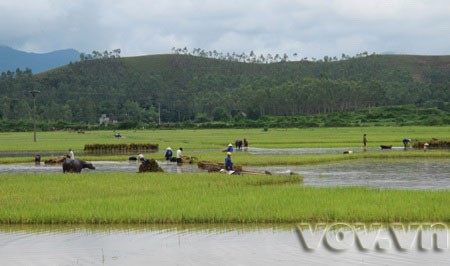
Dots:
(376, 236)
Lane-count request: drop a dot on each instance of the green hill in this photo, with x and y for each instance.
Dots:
(191, 88)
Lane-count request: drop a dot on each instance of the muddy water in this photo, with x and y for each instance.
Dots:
(101, 166)
(201, 246)
(402, 173)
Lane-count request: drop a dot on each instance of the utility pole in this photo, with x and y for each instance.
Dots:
(34, 93)
(159, 114)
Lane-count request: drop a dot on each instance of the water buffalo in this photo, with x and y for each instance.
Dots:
(238, 144)
(75, 166)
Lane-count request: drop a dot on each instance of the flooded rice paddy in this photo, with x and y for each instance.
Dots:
(229, 245)
(379, 173)
(101, 166)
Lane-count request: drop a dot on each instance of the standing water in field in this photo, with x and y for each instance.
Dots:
(380, 173)
(101, 166)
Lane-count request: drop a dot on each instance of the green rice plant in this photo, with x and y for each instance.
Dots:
(217, 139)
(162, 198)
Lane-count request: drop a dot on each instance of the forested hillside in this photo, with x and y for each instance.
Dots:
(192, 88)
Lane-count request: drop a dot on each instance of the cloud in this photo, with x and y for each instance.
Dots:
(310, 28)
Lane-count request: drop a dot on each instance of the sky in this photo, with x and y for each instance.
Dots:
(310, 28)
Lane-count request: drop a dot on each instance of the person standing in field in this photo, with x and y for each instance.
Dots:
(365, 142)
(37, 159)
(180, 156)
(229, 166)
(245, 144)
(228, 162)
(71, 154)
(425, 146)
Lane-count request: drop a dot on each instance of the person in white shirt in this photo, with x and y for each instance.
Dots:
(180, 155)
(71, 155)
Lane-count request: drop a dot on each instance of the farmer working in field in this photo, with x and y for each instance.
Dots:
(405, 142)
(229, 148)
(141, 157)
(168, 154)
(364, 142)
(180, 156)
(228, 162)
(229, 166)
(71, 154)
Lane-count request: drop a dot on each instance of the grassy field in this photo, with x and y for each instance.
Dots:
(207, 144)
(131, 198)
(219, 138)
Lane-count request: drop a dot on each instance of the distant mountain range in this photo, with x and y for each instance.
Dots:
(11, 59)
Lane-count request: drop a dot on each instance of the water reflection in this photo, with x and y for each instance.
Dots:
(380, 173)
(101, 166)
(178, 245)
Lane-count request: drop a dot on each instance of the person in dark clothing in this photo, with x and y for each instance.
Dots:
(37, 159)
(228, 162)
(364, 142)
(405, 142)
(168, 154)
(229, 148)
